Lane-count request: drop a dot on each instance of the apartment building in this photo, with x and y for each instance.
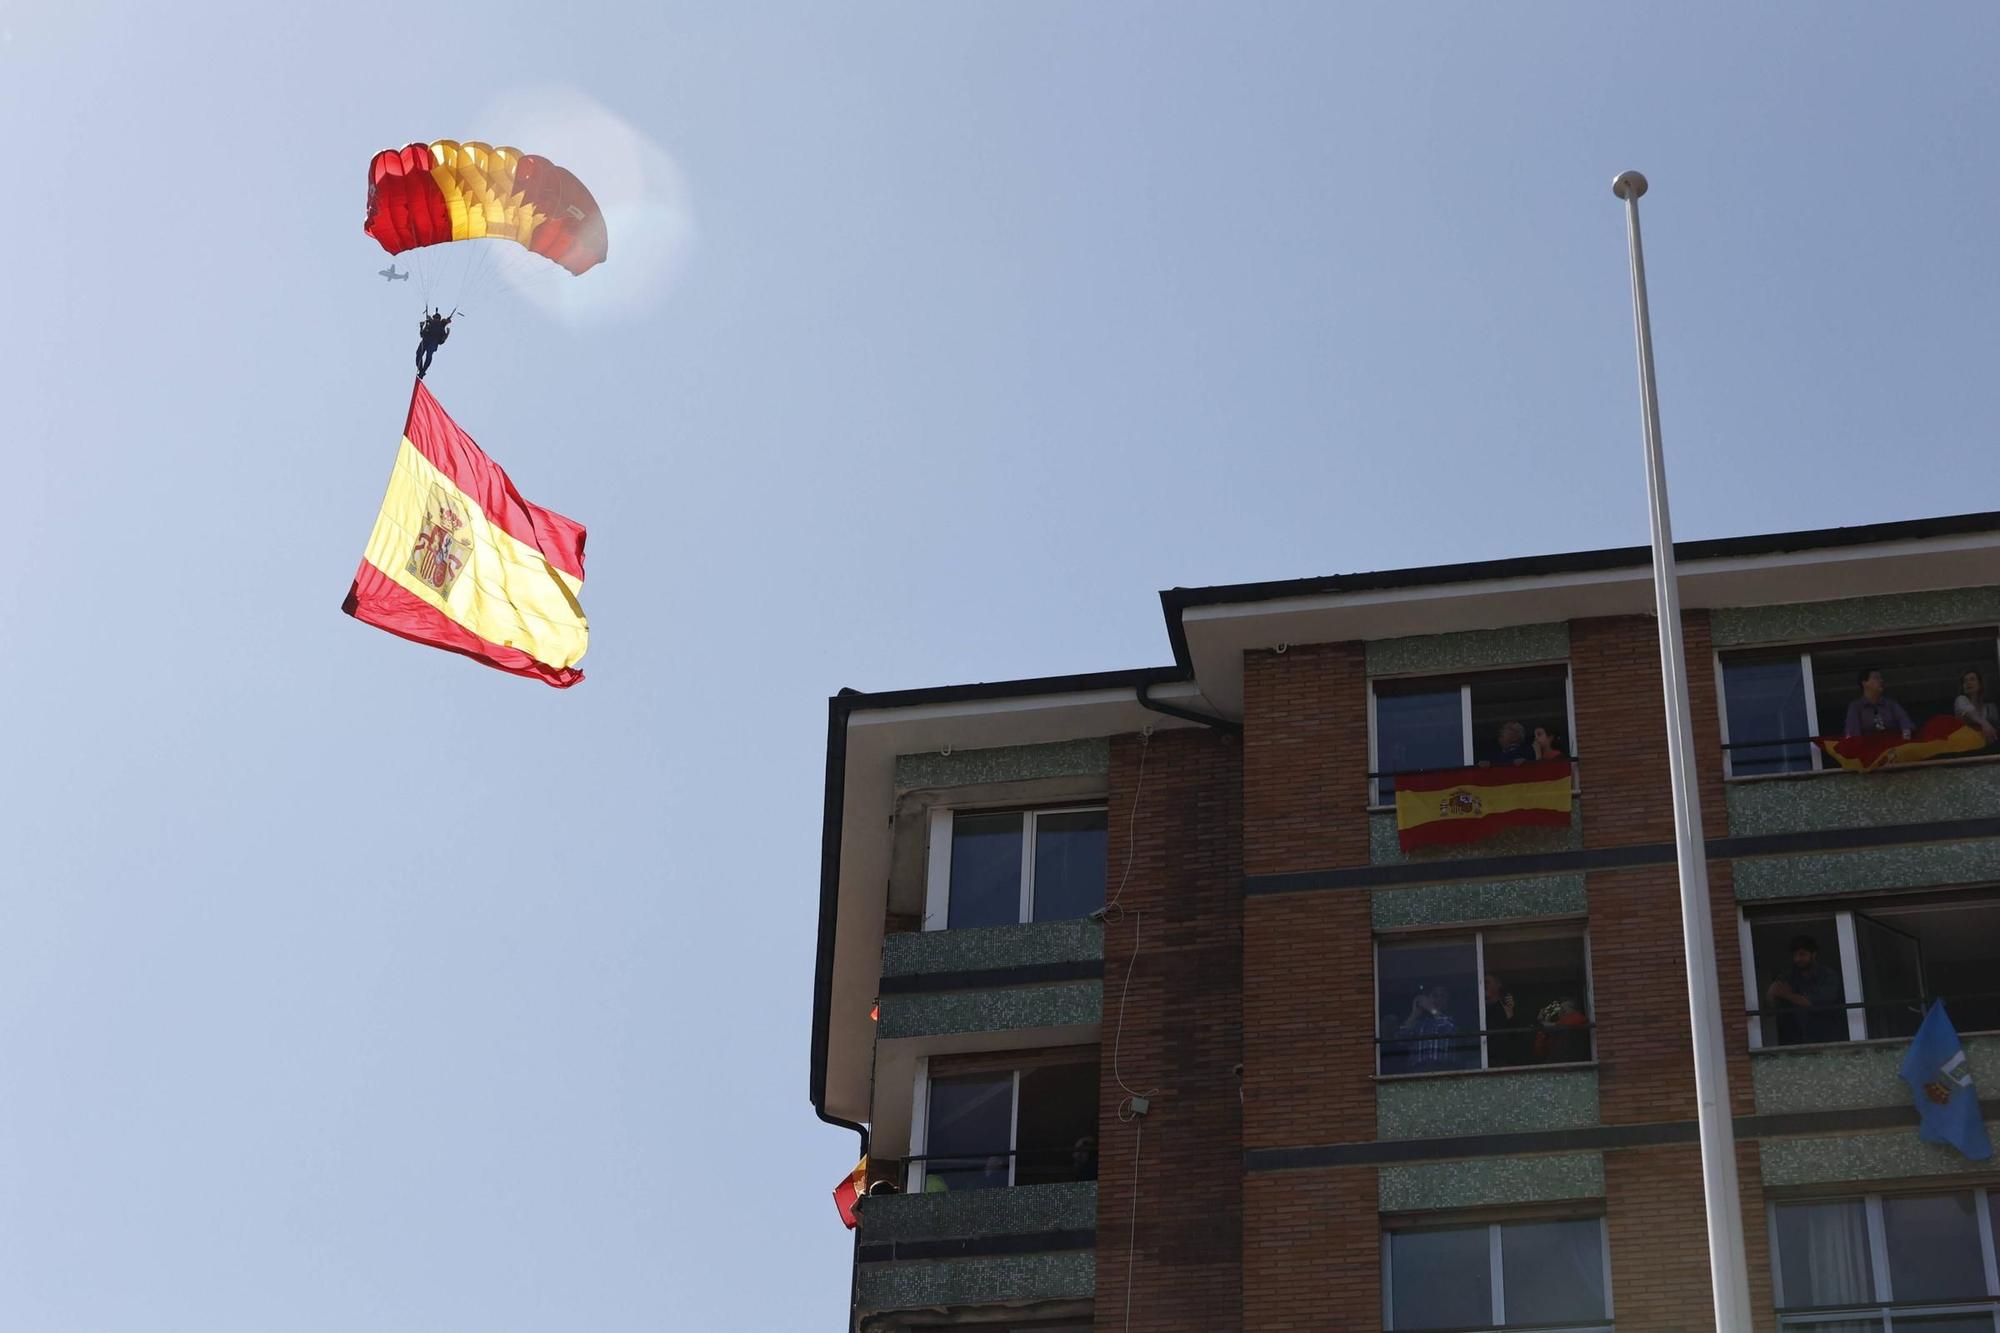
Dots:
(1151, 1020)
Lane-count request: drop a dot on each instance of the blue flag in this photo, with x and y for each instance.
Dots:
(1941, 1081)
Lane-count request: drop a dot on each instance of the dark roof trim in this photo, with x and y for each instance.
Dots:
(857, 701)
(829, 908)
(1176, 600)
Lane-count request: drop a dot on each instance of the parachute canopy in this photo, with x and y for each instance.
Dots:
(428, 194)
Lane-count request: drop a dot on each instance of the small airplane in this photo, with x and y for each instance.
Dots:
(392, 275)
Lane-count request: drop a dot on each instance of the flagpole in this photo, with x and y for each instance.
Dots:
(1727, 1278)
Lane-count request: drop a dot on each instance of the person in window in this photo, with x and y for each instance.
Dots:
(1875, 712)
(1431, 1028)
(1510, 746)
(1083, 1159)
(1562, 1034)
(1504, 1043)
(1809, 998)
(1546, 746)
(1973, 708)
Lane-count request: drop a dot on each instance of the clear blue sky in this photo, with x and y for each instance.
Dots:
(346, 985)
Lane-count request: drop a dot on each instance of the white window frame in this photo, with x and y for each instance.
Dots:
(1498, 1295)
(1819, 764)
(1848, 944)
(1468, 742)
(1479, 933)
(920, 1126)
(937, 871)
(1878, 1255)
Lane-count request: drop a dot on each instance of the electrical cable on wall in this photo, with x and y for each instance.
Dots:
(1134, 1105)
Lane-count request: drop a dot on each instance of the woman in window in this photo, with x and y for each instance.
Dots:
(1546, 745)
(1975, 709)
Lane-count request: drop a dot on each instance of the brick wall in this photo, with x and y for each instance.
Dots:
(1312, 1253)
(1659, 1239)
(1181, 1038)
(1308, 1019)
(1621, 729)
(1305, 758)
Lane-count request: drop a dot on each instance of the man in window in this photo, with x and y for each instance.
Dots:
(1433, 1027)
(1808, 998)
(1875, 713)
(1510, 747)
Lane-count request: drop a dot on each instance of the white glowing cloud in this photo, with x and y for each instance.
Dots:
(648, 215)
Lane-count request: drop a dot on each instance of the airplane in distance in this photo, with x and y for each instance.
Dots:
(392, 275)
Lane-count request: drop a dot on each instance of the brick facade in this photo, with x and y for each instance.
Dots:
(1176, 1033)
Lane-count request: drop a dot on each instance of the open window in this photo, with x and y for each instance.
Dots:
(1425, 724)
(992, 1122)
(1004, 867)
(1887, 1262)
(1775, 700)
(1869, 969)
(1491, 999)
(1518, 1275)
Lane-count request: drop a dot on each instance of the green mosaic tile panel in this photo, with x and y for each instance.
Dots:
(926, 952)
(1006, 1010)
(1469, 650)
(1840, 1078)
(1004, 763)
(1490, 1182)
(1383, 849)
(956, 1215)
(1071, 1275)
(1917, 795)
(1485, 900)
(1499, 1102)
(1801, 621)
(1870, 870)
(1892, 1155)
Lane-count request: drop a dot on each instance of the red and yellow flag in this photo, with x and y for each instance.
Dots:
(460, 561)
(849, 1191)
(1940, 735)
(1467, 804)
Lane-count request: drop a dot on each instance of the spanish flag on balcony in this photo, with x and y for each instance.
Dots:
(1468, 804)
(460, 561)
(1939, 736)
(849, 1191)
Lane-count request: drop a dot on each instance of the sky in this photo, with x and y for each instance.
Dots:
(345, 984)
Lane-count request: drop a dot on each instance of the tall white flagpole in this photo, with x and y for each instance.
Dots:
(1727, 1278)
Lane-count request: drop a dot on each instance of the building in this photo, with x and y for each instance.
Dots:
(1121, 971)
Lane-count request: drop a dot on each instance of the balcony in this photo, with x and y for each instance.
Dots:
(1030, 1245)
(1034, 976)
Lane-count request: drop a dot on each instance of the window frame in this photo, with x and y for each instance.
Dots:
(1883, 1307)
(1478, 931)
(1496, 1276)
(920, 1125)
(1843, 911)
(937, 860)
(1805, 649)
(1468, 742)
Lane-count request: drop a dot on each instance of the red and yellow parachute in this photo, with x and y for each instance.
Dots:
(430, 194)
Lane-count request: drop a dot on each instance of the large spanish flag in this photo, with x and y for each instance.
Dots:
(1467, 804)
(459, 560)
(1871, 750)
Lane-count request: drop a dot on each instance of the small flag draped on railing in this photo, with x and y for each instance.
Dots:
(1468, 804)
(1877, 749)
(1941, 1083)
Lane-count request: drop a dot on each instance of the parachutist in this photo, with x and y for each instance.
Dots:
(431, 333)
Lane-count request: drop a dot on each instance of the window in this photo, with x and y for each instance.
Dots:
(1870, 969)
(1424, 725)
(1776, 699)
(1442, 1000)
(1002, 867)
(1513, 1275)
(1887, 1263)
(1034, 1125)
